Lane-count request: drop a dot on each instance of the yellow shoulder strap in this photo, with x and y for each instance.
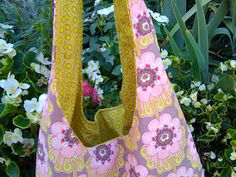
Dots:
(111, 122)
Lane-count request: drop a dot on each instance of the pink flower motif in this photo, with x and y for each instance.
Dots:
(133, 169)
(137, 8)
(143, 25)
(151, 77)
(103, 157)
(42, 157)
(164, 137)
(182, 171)
(64, 141)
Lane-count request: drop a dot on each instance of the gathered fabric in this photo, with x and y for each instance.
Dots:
(146, 136)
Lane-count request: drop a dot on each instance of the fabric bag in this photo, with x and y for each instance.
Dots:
(145, 136)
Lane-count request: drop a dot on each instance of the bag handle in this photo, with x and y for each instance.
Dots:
(68, 37)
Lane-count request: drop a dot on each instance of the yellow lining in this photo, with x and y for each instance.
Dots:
(111, 122)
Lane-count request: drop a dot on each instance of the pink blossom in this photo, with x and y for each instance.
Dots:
(96, 100)
(64, 141)
(151, 77)
(164, 137)
(87, 90)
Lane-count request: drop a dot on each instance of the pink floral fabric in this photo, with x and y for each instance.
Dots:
(159, 143)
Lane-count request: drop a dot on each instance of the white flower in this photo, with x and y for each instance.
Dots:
(220, 90)
(159, 18)
(4, 26)
(34, 117)
(2, 160)
(186, 101)
(220, 159)
(98, 80)
(111, 59)
(197, 104)
(233, 63)
(7, 138)
(233, 156)
(102, 49)
(208, 125)
(191, 128)
(197, 84)
(42, 99)
(100, 93)
(204, 101)
(41, 69)
(28, 143)
(12, 88)
(214, 129)
(223, 67)
(31, 105)
(214, 78)
(193, 96)
(35, 105)
(209, 108)
(164, 53)
(93, 66)
(24, 86)
(193, 120)
(43, 60)
(211, 86)
(17, 136)
(167, 62)
(13, 137)
(179, 93)
(212, 155)
(106, 11)
(7, 49)
(14, 101)
(202, 87)
(97, 2)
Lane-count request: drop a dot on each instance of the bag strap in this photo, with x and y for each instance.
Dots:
(68, 38)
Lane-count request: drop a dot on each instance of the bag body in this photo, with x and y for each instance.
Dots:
(146, 136)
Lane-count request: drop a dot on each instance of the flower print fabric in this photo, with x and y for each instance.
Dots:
(159, 142)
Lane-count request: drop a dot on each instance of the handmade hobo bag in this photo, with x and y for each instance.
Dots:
(145, 136)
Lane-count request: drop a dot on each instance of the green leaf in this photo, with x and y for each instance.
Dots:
(174, 45)
(202, 31)
(226, 172)
(6, 109)
(21, 122)
(18, 66)
(29, 58)
(223, 31)
(108, 26)
(231, 102)
(188, 15)
(218, 17)
(1, 134)
(93, 43)
(226, 83)
(203, 65)
(92, 28)
(13, 170)
(117, 70)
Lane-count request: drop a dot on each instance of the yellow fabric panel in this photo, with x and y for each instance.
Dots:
(111, 122)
